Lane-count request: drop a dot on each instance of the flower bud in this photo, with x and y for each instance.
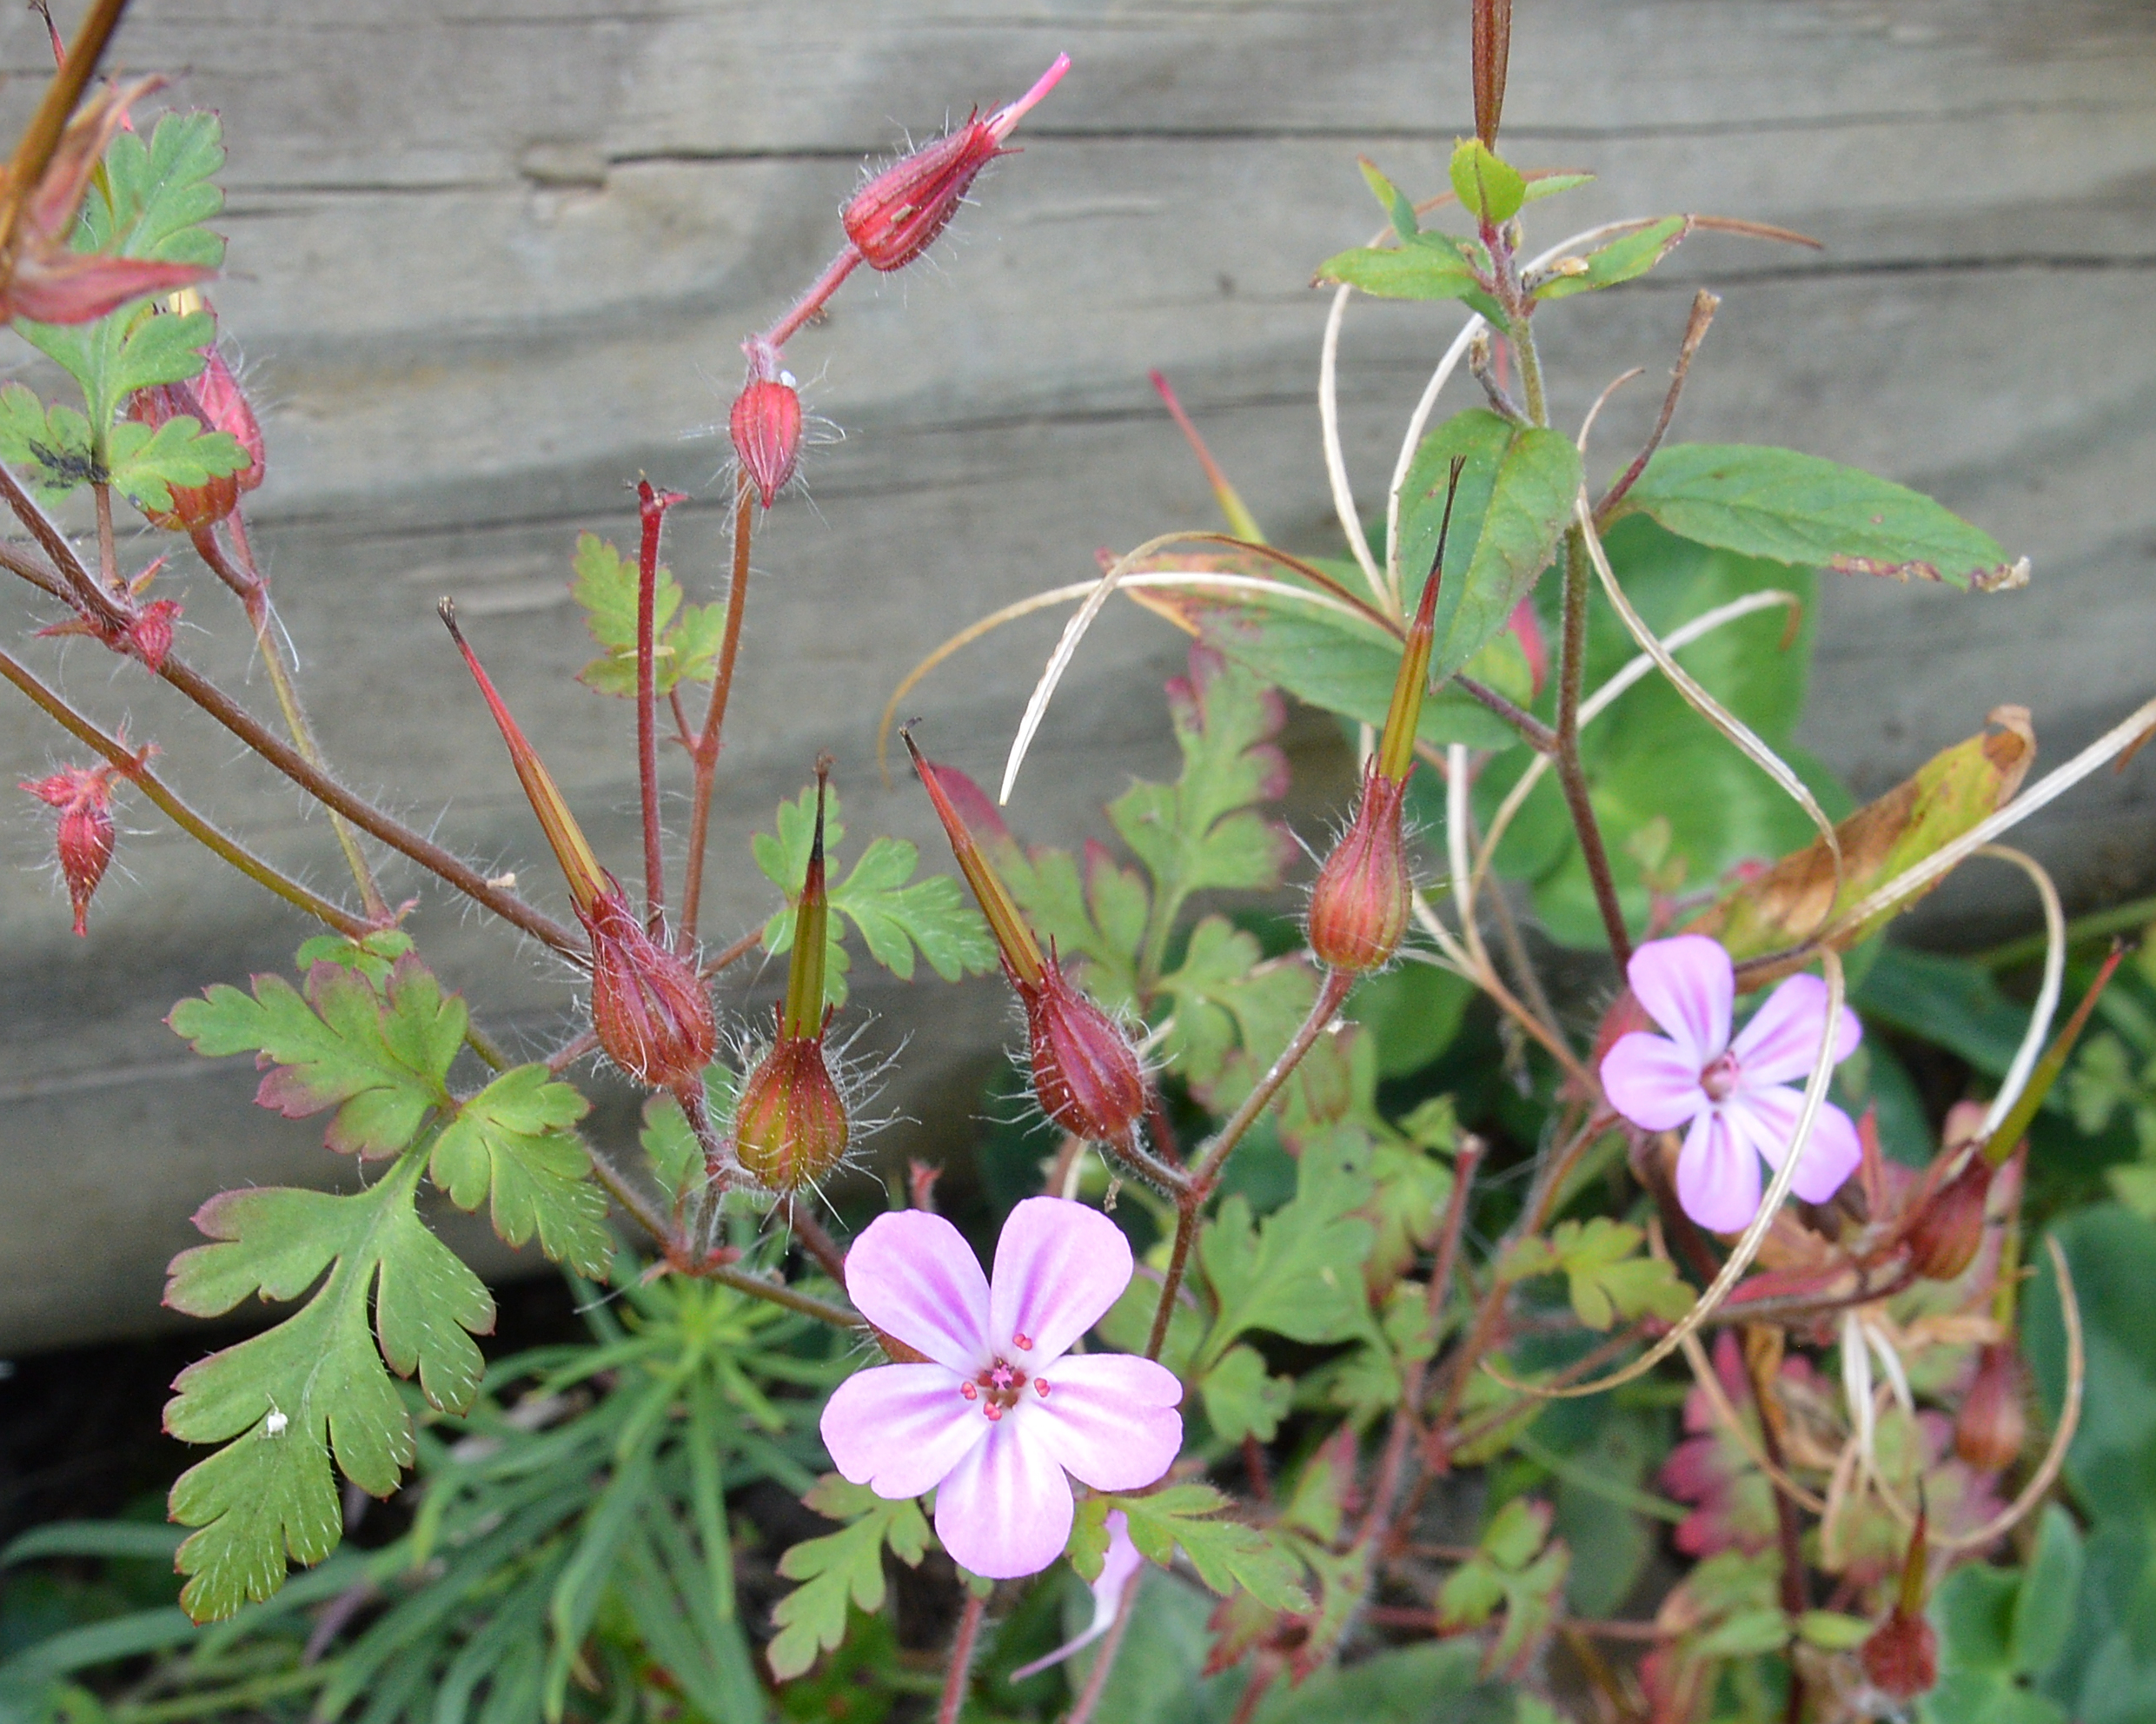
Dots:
(150, 636)
(766, 426)
(896, 215)
(84, 840)
(1086, 1075)
(790, 1125)
(1901, 1657)
(1944, 1233)
(649, 1010)
(1991, 1427)
(215, 402)
(1359, 907)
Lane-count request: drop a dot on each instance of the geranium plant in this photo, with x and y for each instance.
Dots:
(1360, 1309)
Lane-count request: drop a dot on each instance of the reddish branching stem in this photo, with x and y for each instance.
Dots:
(705, 752)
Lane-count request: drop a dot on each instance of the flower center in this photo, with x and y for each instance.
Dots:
(996, 1387)
(1719, 1077)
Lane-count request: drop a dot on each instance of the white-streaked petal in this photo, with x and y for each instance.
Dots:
(1651, 1081)
(1779, 1043)
(1109, 1418)
(1006, 1509)
(913, 1276)
(1687, 985)
(1718, 1182)
(1767, 1120)
(1118, 1569)
(899, 1428)
(1059, 1266)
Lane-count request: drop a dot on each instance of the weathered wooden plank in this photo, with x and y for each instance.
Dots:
(490, 260)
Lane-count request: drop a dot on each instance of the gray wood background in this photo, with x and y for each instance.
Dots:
(491, 258)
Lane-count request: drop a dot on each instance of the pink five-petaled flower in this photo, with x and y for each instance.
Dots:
(1734, 1095)
(1001, 1409)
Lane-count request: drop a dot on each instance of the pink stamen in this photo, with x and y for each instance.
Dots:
(1004, 121)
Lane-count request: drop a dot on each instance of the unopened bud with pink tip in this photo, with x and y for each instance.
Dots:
(1992, 1426)
(1901, 1657)
(1359, 907)
(214, 401)
(1946, 1232)
(896, 215)
(85, 840)
(1086, 1075)
(765, 424)
(790, 1126)
(649, 1011)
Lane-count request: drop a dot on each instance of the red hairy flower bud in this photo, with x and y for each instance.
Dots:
(84, 840)
(1991, 1427)
(649, 1010)
(150, 635)
(896, 215)
(1086, 1075)
(766, 426)
(1944, 1233)
(790, 1126)
(1359, 907)
(1901, 1657)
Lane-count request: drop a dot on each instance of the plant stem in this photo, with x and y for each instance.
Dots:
(1198, 1185)
(34, 151)
(245, 579)
(186, 819)
(707, 750)
(1105, 1660)
(654, 518)
(813, 1238)
(1704, 305)
(1796, 1590)
(1533, 732)
(812, 301)
(72, 582)
(1572, 675)
(107, 549)
(961, 1659)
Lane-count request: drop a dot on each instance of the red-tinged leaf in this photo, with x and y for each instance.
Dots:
(1951, 793)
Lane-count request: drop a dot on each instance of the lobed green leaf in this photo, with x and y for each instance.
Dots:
(513, 1143)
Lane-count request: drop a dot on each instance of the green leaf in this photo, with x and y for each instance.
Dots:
(933, 916)
(1243, 1398)
(2112, 1254)
(840, 1568)
(54, 444)
(1413, 1186)
(1549, 184)
(1429, 266)
(160, 193)
(1516, 493)
(1226, 1554)
(1488, 187)
(2044, 1608)
(1506, 1572)
(1396, 206)
(282, 1400)
(513, 1141)
(1604, 1270)
(381, 1059)
(146, 464)
(1797, 508)
(685, 638)
(1299, 1273)
(1622, 259)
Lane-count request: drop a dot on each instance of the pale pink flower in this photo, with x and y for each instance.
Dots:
(1002, 1410)
(1119, 1573)
(1736, 1096)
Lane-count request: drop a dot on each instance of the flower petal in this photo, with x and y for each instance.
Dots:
(1117, 1570)
(1717, 1175)
(1110, 1418)
(1006, 1509)
(1768, 1118)
(899, 1428)
(1779, 1043)
(1059, 1265)
(1650, 1081)
(1687, 984)
(913, 1276)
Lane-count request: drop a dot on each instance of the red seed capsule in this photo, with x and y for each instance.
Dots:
(84, 839)
(1359, 907)
(1992, 1426)
(790, 1126)
(1901, 1657)
(1086, 1075)
(765, 425)
(649, 1010)
(1944, 1237)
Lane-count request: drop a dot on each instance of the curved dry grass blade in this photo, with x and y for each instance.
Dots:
(1603, 699)
(2046, 1006)
(2117, 740)
(1748, 1246)
(1346, 605)
(1458, 815)
(1336, 459)
(1710, 1385)
(1594, 412)
(1701, 701)
(1066, 649)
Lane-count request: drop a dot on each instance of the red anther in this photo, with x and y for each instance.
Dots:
(1360, 905)
(969, 1391)
(765, 424)
(1023, 1342)
(1041, 1383)
(994, 1411)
